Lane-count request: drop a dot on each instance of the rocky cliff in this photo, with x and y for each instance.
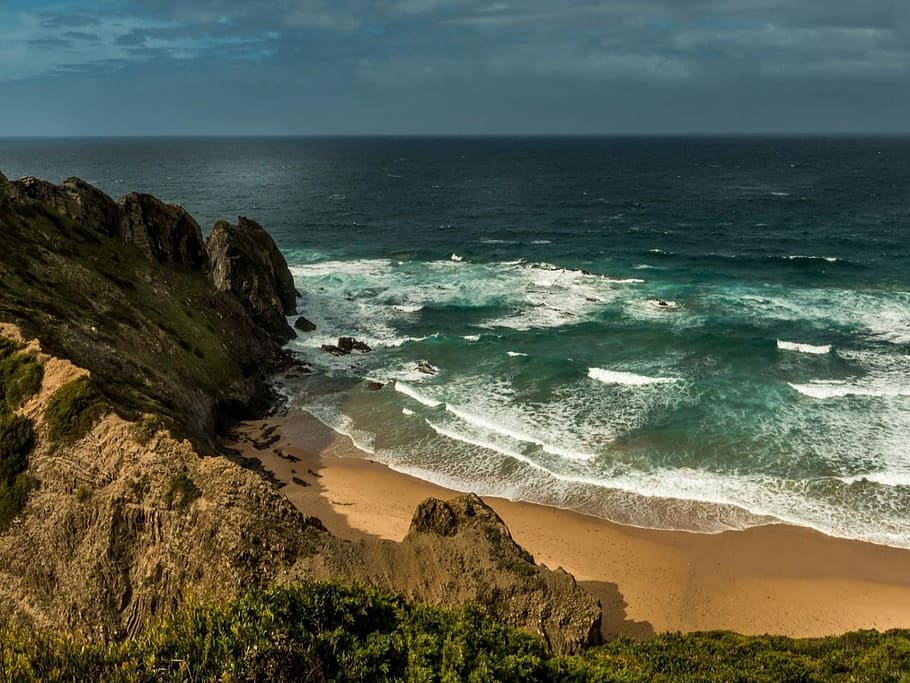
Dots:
(121, 332)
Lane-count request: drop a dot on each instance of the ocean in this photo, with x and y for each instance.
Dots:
(679, 333)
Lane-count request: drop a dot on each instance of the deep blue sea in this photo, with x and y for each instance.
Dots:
(685, 333)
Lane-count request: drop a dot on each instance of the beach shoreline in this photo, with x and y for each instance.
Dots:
(777, 579)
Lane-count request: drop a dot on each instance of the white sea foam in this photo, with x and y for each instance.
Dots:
(410, 391)
(628, 378)
(480, 443)
(408, 308)
(830, 389)
(803, 348)
(626, 281)
(541, 242)
(797, 257)
(515, 354)
(780, 194)
(407, 411)
(456, 258)
(471, 337)
(515, 434)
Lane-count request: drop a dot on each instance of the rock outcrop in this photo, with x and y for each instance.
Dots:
(124, 290)
(246, 262)
(165, 233)
(460, 551)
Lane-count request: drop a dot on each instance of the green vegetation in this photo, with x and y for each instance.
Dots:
(20, 374)
(147, 426)
(181, 492)
(20, 378)
(73, 410)
(329, 632)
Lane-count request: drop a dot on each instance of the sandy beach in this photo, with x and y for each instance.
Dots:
(775, 579)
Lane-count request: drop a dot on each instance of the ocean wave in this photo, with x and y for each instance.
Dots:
(822, 389)
(471, 337)
(456, 258)
(803, 348)
(408, 308)
(515, 354)
(882, 477)
(627, 378)
(541, 242)
(515, 434)
(407, 411)
(798, 257)
(411, 392)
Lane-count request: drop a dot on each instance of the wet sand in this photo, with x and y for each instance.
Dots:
(775, 579)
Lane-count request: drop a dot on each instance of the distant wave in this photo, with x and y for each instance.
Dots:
(837, 389)
(803, 348)
(410, 391)
(541, 242)
(471, 337)
(780, 194)
(629, 378)
(798, 257)
(884, 477)
(456, 258)
(515, 354)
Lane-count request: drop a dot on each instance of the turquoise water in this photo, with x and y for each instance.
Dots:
(694, 334)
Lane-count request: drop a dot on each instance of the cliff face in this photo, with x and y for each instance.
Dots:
(124, 289)
(246, 263)
(119, 329)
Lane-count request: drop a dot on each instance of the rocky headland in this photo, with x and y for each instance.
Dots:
(128, 344)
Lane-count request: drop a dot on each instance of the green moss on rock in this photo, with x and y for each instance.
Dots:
(73, 410)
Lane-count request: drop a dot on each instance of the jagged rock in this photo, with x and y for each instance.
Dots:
(346, 346)
(349, 345)
(246, 262)
(460, 551)
(426, 368)
(375, 386)
(166, 233)
(84, 203)
(304, 325)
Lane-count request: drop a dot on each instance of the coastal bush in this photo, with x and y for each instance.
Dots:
(331, 632)
(181, 492)
(20, 374)
(17, 438)
(147, 426)
(73, 410)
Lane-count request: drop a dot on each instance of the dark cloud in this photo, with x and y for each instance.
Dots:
(499, 65)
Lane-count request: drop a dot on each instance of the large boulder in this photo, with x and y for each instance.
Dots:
(246, 262)
(166, 233)
(85, 204)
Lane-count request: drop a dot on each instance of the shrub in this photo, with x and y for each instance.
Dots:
(20, 378)
(181, 492)
(146, 426)
(73, 410)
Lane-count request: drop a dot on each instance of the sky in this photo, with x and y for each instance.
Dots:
(330, 67)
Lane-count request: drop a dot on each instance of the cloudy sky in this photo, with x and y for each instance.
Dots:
(100, 67)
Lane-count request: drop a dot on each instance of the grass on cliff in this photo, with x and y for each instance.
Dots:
(330, 632)
(20, 378)
(73, 410)
(155, 338)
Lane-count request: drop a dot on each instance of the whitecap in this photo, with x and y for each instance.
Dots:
(410, 391)
(515, 434)
(541, 242)
(628, 378)
(822, 389)
(780, 194)
(803, 348)
(407, 411)
(515, 354)
(471, 337)
(408, 308)
(456, 258)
